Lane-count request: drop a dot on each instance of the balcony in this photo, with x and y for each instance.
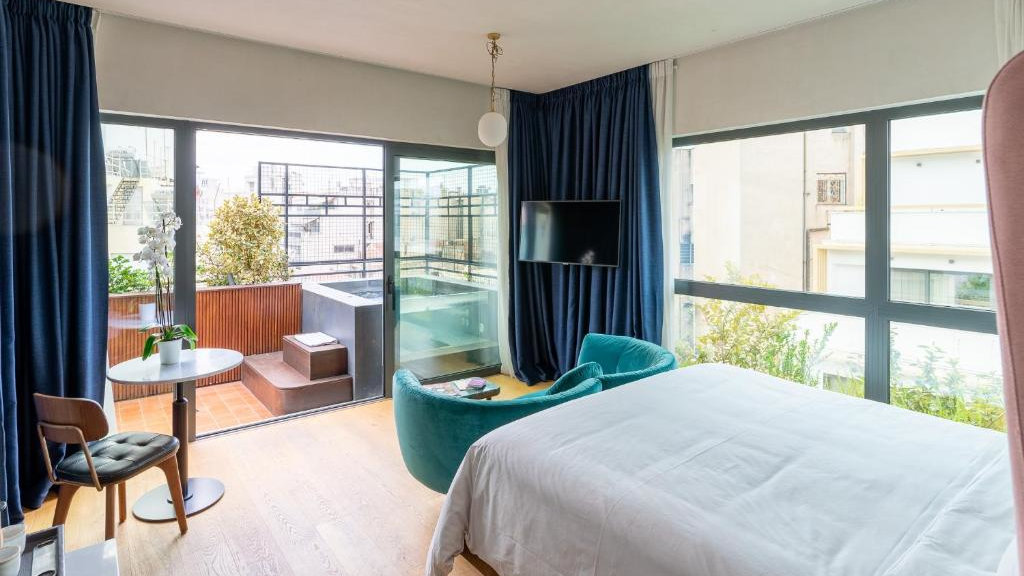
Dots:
(250, 319)
(333, 223)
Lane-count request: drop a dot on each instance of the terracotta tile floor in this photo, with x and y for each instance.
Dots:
(217, 407)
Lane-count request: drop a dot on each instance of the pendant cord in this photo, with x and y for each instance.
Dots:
(494, 50)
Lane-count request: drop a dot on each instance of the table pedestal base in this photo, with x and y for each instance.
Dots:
(156, 505)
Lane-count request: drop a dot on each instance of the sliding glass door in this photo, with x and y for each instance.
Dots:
(389, 249)
(140, 170)
(288, 234)
(441, 273)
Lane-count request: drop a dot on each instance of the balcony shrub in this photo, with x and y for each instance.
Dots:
(771, 341)
(244, 244)
(124, 278)
(756, 336)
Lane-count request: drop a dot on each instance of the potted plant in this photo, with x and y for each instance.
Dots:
(157, 246)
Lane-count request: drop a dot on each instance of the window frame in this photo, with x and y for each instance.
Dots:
(877, 308)
(185, 165)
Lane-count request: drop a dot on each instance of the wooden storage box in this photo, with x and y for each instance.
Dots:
(315, 362)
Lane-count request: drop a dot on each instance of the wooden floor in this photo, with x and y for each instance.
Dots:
(325, 494)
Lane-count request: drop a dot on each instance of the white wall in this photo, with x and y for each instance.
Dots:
(146, 68)
(894, 52)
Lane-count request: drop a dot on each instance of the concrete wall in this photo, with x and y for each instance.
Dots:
(893, 52)
(146, 68)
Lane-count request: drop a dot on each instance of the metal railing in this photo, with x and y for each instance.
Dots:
(334, 226)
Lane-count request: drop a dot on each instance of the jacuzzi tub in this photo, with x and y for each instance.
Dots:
(445, 326)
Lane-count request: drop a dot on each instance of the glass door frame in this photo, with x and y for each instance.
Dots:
(393, 152)
(185, 132)
(185, 165)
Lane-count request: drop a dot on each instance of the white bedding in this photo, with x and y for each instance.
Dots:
(714, 470)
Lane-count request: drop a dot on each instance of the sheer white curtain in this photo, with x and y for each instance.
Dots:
(501, 105)
(662, 75)
(1009, 29)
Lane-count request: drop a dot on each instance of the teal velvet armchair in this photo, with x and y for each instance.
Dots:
(435, 430)
(624, 359)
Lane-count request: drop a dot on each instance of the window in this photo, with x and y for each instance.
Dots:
(140, 180)
(950, 373)
(140, 163)
(832, 188)
(819, 350)
(943, 288)
(782, 211)
(327, 194)
(938, 210)
(847, 253)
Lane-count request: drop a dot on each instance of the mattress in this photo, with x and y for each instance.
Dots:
(713, 470)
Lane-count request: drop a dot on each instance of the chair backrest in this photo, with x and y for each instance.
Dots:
(58, 416)
(624, 359)
(1004, 167)
(435, 430)
(69, 421)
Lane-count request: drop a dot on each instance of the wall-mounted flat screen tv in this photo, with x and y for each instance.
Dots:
(584, 232)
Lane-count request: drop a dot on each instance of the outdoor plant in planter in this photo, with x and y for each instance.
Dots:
(157, 246)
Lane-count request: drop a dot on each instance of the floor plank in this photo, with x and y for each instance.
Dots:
(325, 494)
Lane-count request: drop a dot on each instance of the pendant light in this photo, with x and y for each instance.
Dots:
(492, 128)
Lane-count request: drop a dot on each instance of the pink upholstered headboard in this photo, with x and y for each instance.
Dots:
(1004, 165)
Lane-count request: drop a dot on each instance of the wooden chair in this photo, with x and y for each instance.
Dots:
(105, 462)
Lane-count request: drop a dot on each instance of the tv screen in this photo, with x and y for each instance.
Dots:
(582, 232)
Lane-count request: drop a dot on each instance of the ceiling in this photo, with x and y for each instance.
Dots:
(548, 43)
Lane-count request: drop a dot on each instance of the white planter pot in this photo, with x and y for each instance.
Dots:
(170, 351)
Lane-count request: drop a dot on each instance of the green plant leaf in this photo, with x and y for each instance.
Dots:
(186, 330)
(147, 348)
(123, 277)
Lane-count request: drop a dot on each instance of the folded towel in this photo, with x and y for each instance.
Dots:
(314, 339)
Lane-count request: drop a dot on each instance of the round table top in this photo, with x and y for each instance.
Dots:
(194, 364)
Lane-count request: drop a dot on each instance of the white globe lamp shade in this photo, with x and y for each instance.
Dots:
(492, 129)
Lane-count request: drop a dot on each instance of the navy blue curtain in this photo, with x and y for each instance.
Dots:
(53, 239)
(591, 141)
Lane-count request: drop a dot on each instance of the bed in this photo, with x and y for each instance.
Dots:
(718, 471)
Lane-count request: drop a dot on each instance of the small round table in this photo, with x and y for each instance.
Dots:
(200, 493)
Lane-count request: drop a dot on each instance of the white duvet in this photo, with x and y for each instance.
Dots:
(714, 470)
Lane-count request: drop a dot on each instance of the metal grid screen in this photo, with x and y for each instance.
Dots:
(333, 218)
(449, 223)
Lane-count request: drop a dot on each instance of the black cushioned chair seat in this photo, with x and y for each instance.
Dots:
(117, 457)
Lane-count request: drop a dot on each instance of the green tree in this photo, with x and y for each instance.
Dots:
(244, 244)
(939, 386)
(124, 278)
(756, 337)
(771, 341)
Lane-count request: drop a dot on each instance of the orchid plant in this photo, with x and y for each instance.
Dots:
(157, 246)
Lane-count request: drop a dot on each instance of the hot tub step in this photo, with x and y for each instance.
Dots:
(283, 390)
(315, 362)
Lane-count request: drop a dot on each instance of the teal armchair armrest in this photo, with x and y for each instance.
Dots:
(624, 359)
(436, 430)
